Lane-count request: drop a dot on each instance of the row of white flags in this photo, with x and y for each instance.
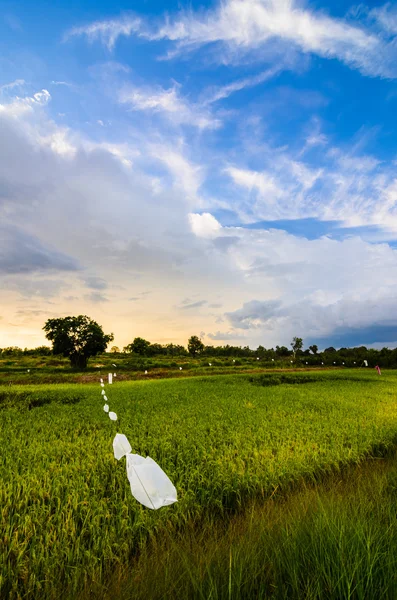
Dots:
(149, 484)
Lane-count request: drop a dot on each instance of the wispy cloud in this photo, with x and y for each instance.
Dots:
(215, 94)
(12, 85)
(107, 31)
(170, 104)
(225, 336)
(245, 27)
(193, 305)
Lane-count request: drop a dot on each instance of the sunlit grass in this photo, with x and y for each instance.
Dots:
(66, 508)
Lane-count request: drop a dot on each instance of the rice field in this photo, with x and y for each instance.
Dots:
(68, 519)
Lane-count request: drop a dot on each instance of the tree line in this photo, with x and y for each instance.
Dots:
(80, 338)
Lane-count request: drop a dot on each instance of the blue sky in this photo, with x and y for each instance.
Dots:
(175, 168)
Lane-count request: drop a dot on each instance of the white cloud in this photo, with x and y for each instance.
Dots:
(187, 176)
(204, 225)
(345, 185)
(386, 16)
(246, 27)
(12, 85)
(107, 31)
(214, 94)
(169, 104)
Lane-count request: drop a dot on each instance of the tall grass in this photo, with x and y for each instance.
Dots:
(67, 514)
(337, 540)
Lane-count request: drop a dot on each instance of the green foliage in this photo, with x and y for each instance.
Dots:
(195, 345)
(139, 346)
(68, 517)
(296, 344)
(334, 540)
(77, 338)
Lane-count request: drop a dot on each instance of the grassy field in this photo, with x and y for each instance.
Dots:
(68, 515)
(33, 370)
(328, 541)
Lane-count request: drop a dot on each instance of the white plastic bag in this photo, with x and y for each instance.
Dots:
(149, 484)
(121, 446)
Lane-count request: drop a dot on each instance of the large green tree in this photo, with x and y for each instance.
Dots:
(77, 338)
(195, 345)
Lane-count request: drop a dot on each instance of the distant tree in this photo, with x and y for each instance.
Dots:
(314, 348)
(329, 350)
(12, 351)
(42, 350)
(140, 346)
(195, 345)
(282, 351)
(296, 344)
(77, 338)
(115, 349)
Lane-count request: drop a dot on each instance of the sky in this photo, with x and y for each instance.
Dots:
(222, 169)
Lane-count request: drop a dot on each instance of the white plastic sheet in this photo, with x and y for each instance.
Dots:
(121, 446)
(106, 408)
(110, 378)
(112, 416)
(149, 484)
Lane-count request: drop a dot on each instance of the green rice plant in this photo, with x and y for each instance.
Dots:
(67, 515)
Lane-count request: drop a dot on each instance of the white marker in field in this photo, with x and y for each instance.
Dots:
(210, 364)
(103, 392)
(322, 363)
(106, 407)
(257, 358)
(113, 365)
(180, 368)
(234, 360)
(112, 416)
(145, 372)
(273, 359)
(110, 378)
(101, 380)
(114, 374)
